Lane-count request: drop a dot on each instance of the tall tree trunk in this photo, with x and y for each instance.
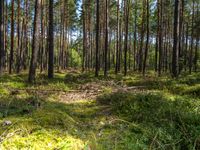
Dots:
(181, 35)
(1, 36)
(35, 42)
(25, 55)
(157, 36)
(197, 44)
(84, 35)
(51, 41)
(135, 36)
(18, 37)
(147, 40)
(192, 40)
(97, 39)
(175, 43)
(63, 36)
(160, 38)
(106, 40)
(12, 39)
(6, 36)
(126, 35)
(42, 37)
(142, 38)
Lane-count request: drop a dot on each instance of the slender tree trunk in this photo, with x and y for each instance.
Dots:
(197, 45)
(157, 37)
(126, 36)
(192, 41)
(196, 55)
(63, 36)
(18, 36)
(156, 54)
(97, 39)
(6, 36)
(51, 41)
(129, 52)
(135, 37)
(186, 47)
(1, 36)
(42, 37)
(117, 40)
(147, 40)
(84, 36)
(106, 40)
(160, 38)
(142, 38)
(12, 39)
(25, 55)
(181, 35)
(120, 44)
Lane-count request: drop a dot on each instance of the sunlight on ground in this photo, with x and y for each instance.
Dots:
(130, 112)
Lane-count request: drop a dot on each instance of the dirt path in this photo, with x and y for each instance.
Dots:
(83, 92)
(91, 91)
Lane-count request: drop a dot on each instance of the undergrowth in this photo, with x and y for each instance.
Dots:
(168, 122)
(161, 113)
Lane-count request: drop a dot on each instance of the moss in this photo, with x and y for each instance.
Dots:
(162, 115)
(176, 117)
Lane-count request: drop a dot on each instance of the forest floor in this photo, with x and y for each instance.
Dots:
(78, 111)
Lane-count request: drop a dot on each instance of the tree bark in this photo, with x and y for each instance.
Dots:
(97, 39)
(12, 39)
(106, 40)
(142, 39)
(147, 40)
(160, 38)
(35, 42)
(18, 63)
(1, 36)
(51, 41)
(175, 42)
(126, 35)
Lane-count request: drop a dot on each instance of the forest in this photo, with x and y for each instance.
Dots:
(99, 74)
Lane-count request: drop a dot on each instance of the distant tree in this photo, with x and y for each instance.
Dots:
(108, 34)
